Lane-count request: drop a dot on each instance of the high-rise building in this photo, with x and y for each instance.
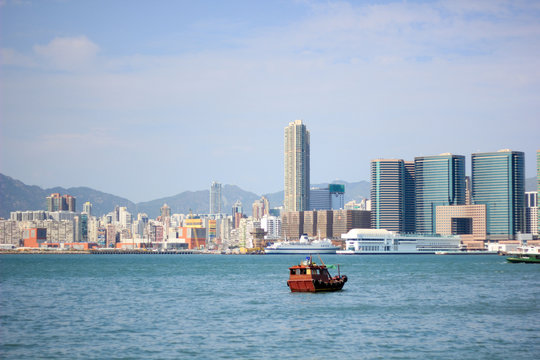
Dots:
(260, 208)
(531, 212)
(498, 181)
(87, 208)
(215, 198)
(439, 180)
(392, 195)
(56, 202)
(296, 151)
(538, 182)
(237, 213)
(331, 197)
(165, 211)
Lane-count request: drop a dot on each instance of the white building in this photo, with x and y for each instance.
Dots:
(272, 226)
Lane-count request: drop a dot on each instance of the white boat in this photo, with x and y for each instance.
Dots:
(302, 246)
(381, 241)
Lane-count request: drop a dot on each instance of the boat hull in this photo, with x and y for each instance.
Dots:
(311, 285)
(524, 259)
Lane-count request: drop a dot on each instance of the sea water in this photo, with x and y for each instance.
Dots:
(239, 307)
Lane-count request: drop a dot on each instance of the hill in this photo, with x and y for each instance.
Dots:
(15, 195)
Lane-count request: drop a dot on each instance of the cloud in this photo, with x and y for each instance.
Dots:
(68, 53)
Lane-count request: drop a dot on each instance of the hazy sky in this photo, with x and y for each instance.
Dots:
(146, 99)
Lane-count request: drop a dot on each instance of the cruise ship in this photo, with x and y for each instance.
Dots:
(381, 241)
(302, 246)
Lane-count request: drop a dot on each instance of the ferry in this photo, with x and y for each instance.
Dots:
(382, 241)
(310, 277)
(525, 254)
(302, 246)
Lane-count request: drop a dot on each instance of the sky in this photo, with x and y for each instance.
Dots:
(147, 99)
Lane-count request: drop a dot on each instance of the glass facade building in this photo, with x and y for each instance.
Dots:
(392, 195)
(498, 181)
(439, 180)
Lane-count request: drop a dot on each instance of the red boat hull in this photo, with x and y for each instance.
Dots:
(312, 285)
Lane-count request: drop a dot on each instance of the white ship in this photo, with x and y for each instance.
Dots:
(302, 246)
(381, 241)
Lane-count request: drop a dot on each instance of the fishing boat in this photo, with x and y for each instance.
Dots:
(311, 277)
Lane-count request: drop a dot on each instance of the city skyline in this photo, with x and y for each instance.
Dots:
(207, 88)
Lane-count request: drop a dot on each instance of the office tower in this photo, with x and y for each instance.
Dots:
(215, 198)
(296, 151)
(538, 182)
(292, 225)
(87, 208)
(531, 212)
(439, 180)
(345, 220)
(392, 195)
(337, 196)
(410, 198)
(310, 223)
(498, 181)
(331, 197)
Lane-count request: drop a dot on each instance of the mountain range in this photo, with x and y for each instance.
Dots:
(15, 196)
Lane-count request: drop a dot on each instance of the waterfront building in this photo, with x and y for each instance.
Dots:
(215, 198)
(292, 224)
(325, 223)
(310, 223)
(392, 195)
(469, 221)
(297, 167)
(538, 183)
(345, 220)
(498, 181)
(9, 233)
(439, 181)
(531, 212)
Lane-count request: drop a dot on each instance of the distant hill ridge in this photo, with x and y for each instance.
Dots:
(15, 195)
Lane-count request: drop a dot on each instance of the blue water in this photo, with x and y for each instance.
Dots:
(239, 307)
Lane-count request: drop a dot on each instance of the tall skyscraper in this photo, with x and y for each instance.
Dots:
(538, 182)
(498, 181)
(439, 180)
(296, 149)
(215, 198)
(392, 195)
